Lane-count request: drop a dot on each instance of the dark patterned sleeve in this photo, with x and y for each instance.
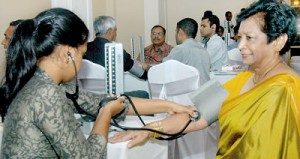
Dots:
(57, 122)
(86, 100)
(90, 101)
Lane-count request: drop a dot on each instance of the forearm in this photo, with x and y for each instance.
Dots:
(102, 122)
(150, 106)
(177, 122)
(170, 125)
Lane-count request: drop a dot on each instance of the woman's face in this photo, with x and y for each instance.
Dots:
(255, 50)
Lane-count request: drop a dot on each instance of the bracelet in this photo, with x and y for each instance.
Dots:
(156, 126)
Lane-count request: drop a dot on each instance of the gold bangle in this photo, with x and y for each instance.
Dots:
(156, 126)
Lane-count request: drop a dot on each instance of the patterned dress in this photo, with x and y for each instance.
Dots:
(40, 123)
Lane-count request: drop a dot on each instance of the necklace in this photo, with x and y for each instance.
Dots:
(258, 78)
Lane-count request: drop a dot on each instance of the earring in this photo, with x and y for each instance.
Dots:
(69, 55)
(68, 60)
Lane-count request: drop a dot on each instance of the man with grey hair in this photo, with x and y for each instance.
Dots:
(106, 32)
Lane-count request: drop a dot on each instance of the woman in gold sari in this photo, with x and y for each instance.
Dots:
(260, 119)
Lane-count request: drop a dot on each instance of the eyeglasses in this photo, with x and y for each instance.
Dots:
(157, 34)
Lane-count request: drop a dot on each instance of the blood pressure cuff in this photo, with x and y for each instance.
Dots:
(137, 69)
(208, 99)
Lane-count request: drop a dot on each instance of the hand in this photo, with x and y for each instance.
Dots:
(177, 108)
(136, 137)
(145, 66)
(115, 106)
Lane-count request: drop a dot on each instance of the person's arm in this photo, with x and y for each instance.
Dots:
(102, 122)
(56, 121)
(133, 66)
(154, 106)
(90, 103)
(171, 125)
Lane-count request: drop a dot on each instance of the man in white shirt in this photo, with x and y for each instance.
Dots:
(228, 24)
(214, 45)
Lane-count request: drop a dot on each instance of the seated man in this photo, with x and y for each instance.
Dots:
(221, 32)
(236, 39)
(188, 50)
(214, 45)
(159, 49)
(106, 32)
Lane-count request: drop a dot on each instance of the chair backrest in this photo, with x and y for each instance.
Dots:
(296, 67)
(172, 78)
(91, 77)
(235, 57)
(295, 59)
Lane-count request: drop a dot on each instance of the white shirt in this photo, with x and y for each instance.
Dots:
(217, 51)
(225, 25)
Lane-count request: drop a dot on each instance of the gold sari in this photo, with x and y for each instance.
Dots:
(263, 123)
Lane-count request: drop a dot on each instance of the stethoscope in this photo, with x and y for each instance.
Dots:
(86, 116)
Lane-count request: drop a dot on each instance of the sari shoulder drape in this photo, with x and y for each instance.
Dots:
(263, 122)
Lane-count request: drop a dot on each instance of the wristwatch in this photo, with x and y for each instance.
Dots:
(197, 117)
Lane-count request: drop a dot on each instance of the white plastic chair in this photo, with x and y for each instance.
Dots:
(296, 67)
(295, 59)
(173, 80)
(91, 77)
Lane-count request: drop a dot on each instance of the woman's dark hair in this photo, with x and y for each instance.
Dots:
(33, 39)
(277, 19)
(189, 26)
